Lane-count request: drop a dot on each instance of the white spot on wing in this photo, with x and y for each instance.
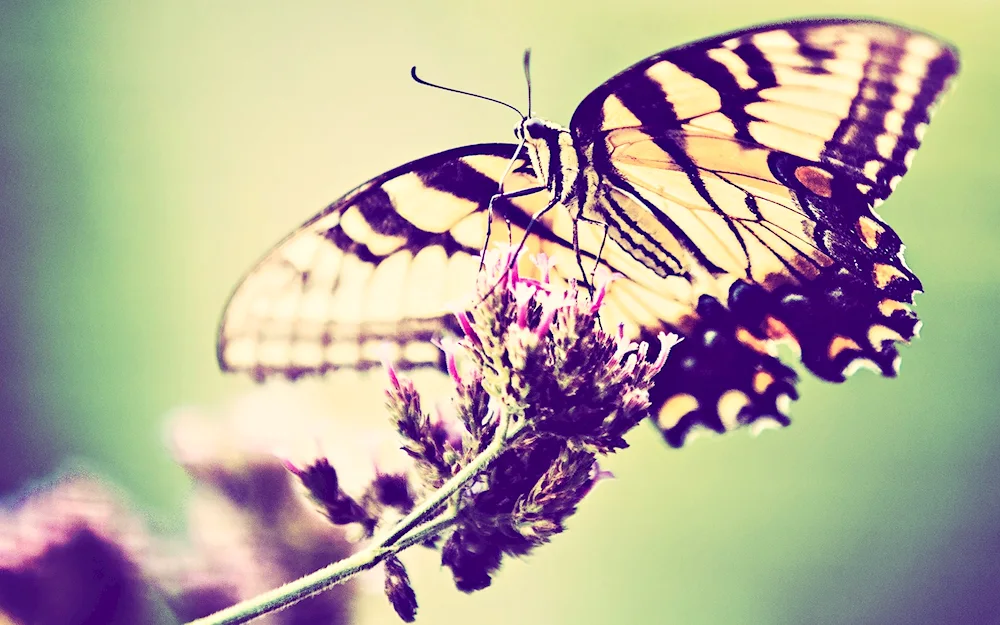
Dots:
(894, 122)
(860, 363)
(923, 46)
(762, 424)
(729, 407)
(885, 144)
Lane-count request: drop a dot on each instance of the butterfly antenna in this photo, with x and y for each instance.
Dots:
(421, 81)
(527, 77)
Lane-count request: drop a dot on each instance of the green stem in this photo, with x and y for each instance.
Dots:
(450, 487)
(407, 532)
(422, 532)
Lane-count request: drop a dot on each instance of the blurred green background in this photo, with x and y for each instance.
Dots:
(151, 151)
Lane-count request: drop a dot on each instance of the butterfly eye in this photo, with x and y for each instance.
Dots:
(534, 128)
(517, 132)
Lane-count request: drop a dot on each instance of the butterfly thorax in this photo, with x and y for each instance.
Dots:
(553, 156)
(565, 168)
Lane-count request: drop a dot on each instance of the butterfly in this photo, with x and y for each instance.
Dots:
(732, 181)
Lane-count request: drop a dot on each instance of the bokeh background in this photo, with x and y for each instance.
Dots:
(150, 152)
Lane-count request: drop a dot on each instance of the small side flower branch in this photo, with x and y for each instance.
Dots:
(541, 392)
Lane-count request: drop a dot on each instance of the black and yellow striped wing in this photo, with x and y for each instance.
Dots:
(385, 265)
(737, 178)
(751, 163)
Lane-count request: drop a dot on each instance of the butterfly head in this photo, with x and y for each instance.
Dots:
(535, 129)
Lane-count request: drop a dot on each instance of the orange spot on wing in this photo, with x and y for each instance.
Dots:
(839, 343)
(815, 179)
(744, 336)
(675, 409)
(884, 274)
(889, 306)
(776, 330)
(762, 380)
(870, 231)
(879, 334)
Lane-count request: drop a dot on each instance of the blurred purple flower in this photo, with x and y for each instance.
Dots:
(74, 552)
(251, 527)
(68, 557)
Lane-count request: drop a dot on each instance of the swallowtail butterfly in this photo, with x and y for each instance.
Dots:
(735, 179)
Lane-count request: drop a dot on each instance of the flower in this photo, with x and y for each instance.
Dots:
(398, 590)
(251, 529)
(75, 552)
(69, 555)
(557, 389)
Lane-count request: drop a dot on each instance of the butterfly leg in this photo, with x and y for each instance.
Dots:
(534, 219)
(527, 227)
(592, 280)
(588, 281)
(489, 208)
(489, 217)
